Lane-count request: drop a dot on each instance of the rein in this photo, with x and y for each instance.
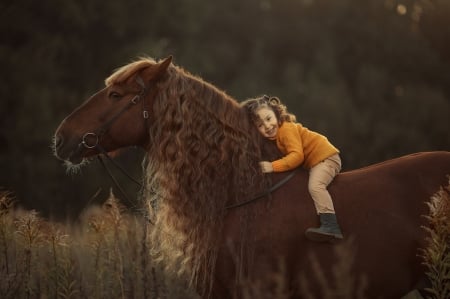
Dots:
(265, 193)
(90, 140)
(261, 195)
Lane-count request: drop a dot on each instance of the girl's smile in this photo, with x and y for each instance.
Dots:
(268, 123)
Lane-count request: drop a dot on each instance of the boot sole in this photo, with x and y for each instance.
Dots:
(322, 237)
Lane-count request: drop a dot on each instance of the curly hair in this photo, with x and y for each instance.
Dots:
(252, 106)
(203, 156)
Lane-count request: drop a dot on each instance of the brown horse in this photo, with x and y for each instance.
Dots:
(203, 158)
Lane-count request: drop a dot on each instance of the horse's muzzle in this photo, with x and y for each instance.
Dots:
(68, 151)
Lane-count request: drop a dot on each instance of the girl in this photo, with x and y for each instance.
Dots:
(300, 146)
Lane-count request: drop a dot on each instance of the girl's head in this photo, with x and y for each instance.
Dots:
(267, 113)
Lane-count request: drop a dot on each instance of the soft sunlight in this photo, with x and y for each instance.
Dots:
(401, 9)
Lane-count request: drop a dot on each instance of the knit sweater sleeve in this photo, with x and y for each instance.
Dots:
(290, 143)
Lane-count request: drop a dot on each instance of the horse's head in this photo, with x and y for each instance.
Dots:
(115, 117)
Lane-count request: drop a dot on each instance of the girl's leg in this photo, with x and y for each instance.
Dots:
(320, 176)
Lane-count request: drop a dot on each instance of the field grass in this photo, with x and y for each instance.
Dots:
(107, 255)
(436, 257)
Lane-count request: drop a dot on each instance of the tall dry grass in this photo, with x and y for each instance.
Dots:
(436, 256)
(108, 255)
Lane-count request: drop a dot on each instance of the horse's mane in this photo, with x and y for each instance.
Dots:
(203, 156)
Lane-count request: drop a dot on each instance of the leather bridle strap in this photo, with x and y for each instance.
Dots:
(90, 139)
(103, 129)
(265, 193)
(116, 183)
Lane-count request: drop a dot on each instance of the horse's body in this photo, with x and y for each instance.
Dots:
(380, 209)
(203, 156)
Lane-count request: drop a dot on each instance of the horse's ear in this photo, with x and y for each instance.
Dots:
(166, 62)
(157, 71)
(162, 68)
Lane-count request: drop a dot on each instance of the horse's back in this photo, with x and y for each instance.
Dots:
(404, 183)
(426, 166)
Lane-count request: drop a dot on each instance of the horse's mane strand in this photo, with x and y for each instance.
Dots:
(203, 156)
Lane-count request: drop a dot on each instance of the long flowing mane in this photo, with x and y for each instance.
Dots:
(203, 156)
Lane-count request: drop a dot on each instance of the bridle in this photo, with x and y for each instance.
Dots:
(90, 140)
(87, 138)
(95, 136)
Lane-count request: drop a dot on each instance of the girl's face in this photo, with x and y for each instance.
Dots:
(268, 123)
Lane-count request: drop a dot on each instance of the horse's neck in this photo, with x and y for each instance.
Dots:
(269, 150)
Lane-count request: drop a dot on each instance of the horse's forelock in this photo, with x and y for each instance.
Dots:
(123, 73)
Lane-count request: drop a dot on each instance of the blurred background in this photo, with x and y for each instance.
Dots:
(371, 75)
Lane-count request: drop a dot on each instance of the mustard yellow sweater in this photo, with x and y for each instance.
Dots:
(300, 146)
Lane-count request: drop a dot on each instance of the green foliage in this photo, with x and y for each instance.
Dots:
(371, 75)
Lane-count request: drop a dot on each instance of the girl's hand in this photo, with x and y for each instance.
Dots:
(266, 166)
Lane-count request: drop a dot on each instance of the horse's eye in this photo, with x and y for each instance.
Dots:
(115, 96)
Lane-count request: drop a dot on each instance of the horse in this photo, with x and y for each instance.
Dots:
(220, 225)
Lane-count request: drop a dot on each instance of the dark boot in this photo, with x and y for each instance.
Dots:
(328, 230)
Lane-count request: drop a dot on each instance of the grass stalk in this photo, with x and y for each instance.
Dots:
(436, 256)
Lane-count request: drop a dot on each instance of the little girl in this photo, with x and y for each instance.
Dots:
(300, 146)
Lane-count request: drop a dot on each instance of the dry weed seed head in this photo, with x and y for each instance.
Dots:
(6, 202)
(29, 228)
(436, 255)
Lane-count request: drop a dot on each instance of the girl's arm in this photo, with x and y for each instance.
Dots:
(292, 145)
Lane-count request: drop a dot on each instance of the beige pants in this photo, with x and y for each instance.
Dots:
(320, 176)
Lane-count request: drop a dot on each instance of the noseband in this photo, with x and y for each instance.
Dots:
(90, 139)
